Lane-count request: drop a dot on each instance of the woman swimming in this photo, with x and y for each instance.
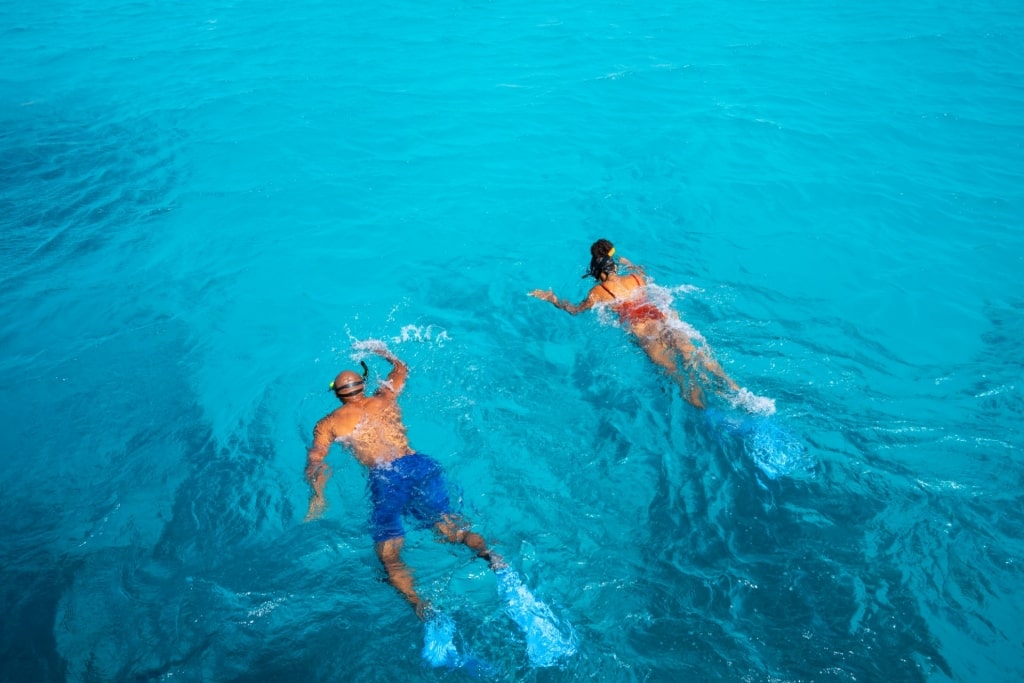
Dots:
(658, 331)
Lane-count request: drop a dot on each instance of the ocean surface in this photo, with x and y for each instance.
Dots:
(205, 205)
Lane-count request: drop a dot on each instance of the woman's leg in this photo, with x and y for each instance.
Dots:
(692, 354)
(664, 353)
(712, 365)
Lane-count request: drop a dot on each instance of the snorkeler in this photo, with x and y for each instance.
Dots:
(402, 481)
(658, 331)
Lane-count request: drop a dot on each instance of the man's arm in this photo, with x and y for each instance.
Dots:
(399, 372)
(317, 471)
(565, 304)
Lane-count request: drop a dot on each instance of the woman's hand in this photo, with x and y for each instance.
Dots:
(544, 295)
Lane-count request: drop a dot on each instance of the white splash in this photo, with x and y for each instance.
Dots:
(752, 403)
(422, 333)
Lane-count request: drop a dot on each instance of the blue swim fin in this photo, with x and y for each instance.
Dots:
(547, 642)
(775, 450)
(439, 641)
(439, 648)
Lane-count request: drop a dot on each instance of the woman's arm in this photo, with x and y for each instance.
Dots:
(565, 305)
(631, 267)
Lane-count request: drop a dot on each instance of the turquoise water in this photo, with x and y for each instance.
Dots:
(205, 204)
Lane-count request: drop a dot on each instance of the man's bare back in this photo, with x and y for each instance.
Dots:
(369, 426)
(371, 429)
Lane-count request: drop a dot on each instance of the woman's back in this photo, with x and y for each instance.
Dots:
(618, 287)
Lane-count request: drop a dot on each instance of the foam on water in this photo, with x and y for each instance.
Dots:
(751, 402)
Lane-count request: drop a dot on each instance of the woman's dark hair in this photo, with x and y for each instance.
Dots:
(600, 248)
(600, 261)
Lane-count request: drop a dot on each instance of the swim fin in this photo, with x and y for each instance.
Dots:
(547, 643)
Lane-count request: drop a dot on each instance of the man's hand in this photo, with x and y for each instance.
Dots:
(317, 505)
(376, 347)
(317, 474)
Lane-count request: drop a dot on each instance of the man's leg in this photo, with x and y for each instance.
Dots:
(433, 506)
(455, 530)
(399, 575)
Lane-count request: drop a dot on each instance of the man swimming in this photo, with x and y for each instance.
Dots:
(402, 481)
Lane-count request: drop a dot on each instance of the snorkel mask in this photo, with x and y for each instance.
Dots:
(599, 266)
(350, 389)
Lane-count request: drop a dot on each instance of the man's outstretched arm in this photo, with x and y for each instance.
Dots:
(317, 472)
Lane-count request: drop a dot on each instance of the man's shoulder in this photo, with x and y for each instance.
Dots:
(335, 419)
(385, 394)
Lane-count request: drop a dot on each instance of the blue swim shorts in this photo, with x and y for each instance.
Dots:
(412, 485)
